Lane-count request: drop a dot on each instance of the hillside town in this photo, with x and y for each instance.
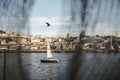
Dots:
(18, 41)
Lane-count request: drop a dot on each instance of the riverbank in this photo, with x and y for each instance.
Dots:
(37, 51)
(58, 51)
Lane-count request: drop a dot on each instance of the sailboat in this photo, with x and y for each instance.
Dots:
(49, 57)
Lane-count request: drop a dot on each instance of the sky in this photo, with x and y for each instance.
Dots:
(46, 11)
(43, 11)
(102, 16)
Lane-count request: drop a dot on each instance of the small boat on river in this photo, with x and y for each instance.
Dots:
(49, 58)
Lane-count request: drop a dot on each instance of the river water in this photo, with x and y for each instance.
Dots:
(47, 71)
(94, 66)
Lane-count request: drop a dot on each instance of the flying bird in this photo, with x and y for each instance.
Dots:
(48, 24)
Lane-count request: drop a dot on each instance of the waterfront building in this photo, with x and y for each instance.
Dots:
(3, 37)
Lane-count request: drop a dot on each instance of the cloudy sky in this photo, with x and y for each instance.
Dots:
(46, 11)
(102, 17)
(106, 15)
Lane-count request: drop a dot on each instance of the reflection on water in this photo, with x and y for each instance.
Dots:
(48, 70)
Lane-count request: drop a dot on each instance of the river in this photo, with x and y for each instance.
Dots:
(94, 66)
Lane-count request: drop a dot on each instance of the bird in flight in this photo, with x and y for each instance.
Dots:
(48, 24)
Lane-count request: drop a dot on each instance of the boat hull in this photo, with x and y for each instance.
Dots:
(49, 60)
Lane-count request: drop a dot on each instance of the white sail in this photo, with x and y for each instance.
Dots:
(49, 54)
